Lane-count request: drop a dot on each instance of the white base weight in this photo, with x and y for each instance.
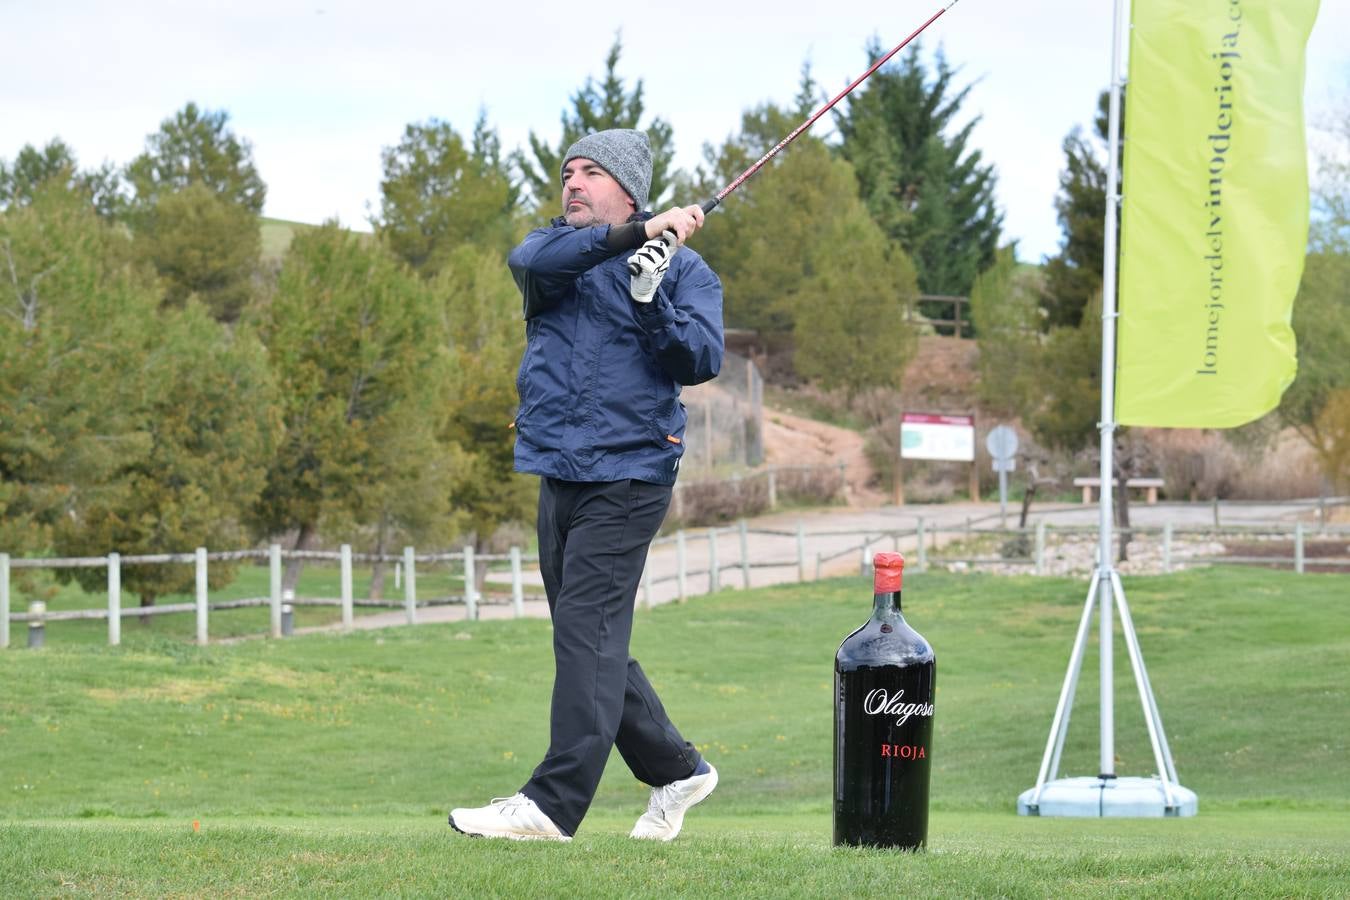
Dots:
(1095, 797)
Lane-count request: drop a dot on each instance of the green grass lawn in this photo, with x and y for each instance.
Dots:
(326, 764)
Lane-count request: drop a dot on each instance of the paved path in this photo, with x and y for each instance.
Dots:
(942, 523)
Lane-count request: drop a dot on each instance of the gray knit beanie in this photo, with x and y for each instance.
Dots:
(622, 152)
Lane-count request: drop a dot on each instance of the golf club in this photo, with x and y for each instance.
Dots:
(710, 205)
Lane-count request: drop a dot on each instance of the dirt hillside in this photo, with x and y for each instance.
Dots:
(941, 378)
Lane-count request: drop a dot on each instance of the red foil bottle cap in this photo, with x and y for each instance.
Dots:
(889, 570)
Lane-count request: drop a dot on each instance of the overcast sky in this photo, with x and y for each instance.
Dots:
(319, 88)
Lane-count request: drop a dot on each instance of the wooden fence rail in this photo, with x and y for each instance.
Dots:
(924, 538)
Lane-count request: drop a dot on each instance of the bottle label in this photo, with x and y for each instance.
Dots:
(880, 702)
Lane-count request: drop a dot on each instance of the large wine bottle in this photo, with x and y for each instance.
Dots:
(883, 724)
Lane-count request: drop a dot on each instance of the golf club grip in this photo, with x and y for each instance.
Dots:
(707, 206)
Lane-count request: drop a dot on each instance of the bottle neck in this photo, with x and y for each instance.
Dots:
(885, 604)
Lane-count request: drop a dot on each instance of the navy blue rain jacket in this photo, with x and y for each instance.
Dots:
(599, 383)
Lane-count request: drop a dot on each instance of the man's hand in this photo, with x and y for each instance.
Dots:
(649, 265)
(683, 221)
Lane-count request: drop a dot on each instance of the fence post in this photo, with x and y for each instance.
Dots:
(714, 571)
(866, 560)
(398, 575)
(410, 585)
(923, 546)
(677, 502)
(745, 554)
(114, 599)
(1216, 510)
(287, 613)
(1322, 512)
(1167, 547)
(1040, 547)
(680, 563)
(4, 601)
(201, 595)
(470, 576)
(773, 489)
(517, 585)
(345, 577)
(1298, 547)
(274, 562)
(37, 628)
(801, 551)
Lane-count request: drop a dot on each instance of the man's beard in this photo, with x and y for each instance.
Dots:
(583, 217)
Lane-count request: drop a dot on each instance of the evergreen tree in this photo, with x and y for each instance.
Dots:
(196, 146)
(127, 429)
(439, 193)
(1074, 274)
(207, 413)
(72, 304)
(203, 246)
(850, 329)
(596, 108)
(479, 308)
(925, 187)
(362, 374)
(1004, 311)
(194, 212)
(824, 272)
(32, 168)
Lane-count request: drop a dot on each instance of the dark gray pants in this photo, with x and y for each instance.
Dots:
(593, 540)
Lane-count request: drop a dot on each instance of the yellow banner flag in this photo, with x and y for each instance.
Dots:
(1214, 220)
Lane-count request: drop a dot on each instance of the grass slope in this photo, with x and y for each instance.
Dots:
(327, 764)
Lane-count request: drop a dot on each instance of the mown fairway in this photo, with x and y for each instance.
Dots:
(327, 764)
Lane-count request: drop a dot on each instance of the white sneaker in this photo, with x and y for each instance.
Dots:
(515, 817)
(666, 809)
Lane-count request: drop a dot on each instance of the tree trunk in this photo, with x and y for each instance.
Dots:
(293, 566)
(1033, 475)
(147, 601)
(377, 572)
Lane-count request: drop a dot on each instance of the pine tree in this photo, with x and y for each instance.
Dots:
(1074, 274)
(1004, 311)
(202, 246)
(439, 193)
(194, 212)
(196, 146)
(925, 187)
(363, 374)
(479, 309)
(596, 108)
(32, 168)
(128, 429)
(850, 329)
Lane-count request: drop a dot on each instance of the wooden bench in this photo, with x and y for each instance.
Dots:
(1150, 486)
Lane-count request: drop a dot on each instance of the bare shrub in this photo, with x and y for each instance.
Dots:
(711, 502)
(1197, 465)
(810, 484)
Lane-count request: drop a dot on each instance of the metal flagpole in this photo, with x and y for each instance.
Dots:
(1106, 794)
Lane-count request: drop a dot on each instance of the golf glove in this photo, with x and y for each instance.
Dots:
(649, 264)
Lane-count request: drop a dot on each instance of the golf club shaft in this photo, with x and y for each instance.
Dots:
(710, 205)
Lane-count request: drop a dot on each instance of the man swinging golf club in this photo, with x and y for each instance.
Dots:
(616, 321)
